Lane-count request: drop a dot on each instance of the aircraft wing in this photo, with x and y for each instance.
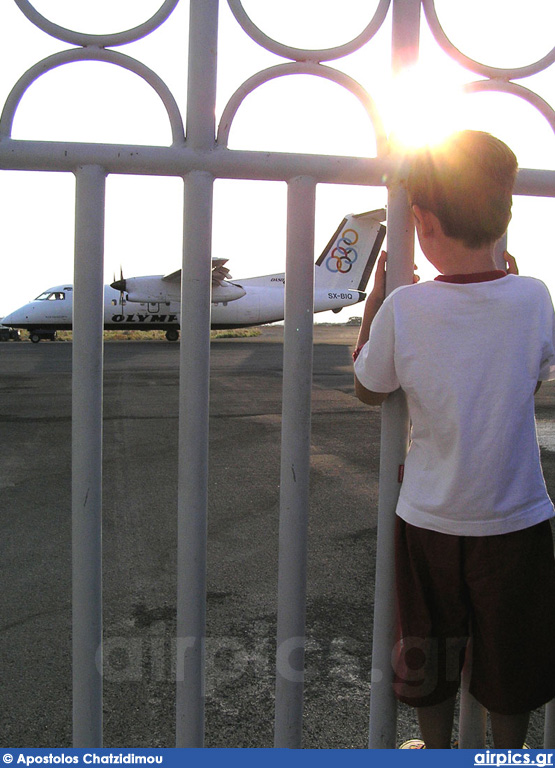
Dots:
(174, 277)
(222, 289)
(219, 273)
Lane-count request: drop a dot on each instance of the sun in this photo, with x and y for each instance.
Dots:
(423, 108)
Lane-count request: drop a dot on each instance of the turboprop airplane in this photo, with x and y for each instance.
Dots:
(153, 302)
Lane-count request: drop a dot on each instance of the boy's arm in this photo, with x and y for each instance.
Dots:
(367, 396)
(373, 303)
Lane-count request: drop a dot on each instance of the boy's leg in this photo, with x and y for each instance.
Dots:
(436, 724)
(511, 578)
(433, 628)
(509, 731)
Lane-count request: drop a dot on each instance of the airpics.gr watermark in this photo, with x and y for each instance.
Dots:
(510, 757)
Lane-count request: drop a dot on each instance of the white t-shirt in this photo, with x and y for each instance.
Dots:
(468, 357)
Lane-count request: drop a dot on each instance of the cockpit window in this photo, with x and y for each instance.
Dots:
(51, 296)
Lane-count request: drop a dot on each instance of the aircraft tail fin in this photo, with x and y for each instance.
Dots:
(348, 259)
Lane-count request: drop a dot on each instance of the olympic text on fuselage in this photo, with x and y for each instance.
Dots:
(139, 318)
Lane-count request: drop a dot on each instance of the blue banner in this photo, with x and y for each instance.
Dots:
(24, 758)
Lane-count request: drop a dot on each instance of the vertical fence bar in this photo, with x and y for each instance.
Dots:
(395, 420)
(295, 462)
(194, 382)
(498, 253)
(193, 459)
(472, 716)
(88, 326)
(549, 726)
(201, 81)
(393, 449)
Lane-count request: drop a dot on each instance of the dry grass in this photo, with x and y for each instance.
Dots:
(231, 333)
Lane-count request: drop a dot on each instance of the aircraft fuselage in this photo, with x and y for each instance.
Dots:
(153, 302)
(261, 304)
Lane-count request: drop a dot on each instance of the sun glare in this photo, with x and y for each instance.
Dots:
(422, 109)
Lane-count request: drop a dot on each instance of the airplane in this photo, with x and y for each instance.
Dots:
(153, 302)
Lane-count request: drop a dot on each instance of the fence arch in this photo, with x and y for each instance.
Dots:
(300, 68)
(305, 54)
(92, 54)
(514, 89)
(101, 41)
(500, 73)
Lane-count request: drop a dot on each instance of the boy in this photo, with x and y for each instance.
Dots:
(474, 552)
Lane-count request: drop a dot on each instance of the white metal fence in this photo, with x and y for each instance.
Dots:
(199, 154)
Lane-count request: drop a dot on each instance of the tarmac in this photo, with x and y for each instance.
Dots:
(139, 543)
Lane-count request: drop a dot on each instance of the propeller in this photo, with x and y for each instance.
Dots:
(119, 285)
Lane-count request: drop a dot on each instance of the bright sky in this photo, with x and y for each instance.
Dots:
(96, 102)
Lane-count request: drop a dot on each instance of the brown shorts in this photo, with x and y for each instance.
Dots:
(498, 590)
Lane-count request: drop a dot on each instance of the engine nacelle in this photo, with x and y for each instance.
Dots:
(225, 291)
(154, 290)
(144, 290)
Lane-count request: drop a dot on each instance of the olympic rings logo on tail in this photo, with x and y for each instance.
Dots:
(343, 256)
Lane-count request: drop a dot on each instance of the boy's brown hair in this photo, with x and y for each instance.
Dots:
(467, 182)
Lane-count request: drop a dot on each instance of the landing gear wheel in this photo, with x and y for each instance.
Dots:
(34, 337)
(172, 335)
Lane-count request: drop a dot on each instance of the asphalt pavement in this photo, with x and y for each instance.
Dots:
(139, 543)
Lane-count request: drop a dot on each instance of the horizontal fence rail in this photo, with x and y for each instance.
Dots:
(199, 154)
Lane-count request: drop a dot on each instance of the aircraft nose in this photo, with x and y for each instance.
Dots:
(8, 319)
(18, 316)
